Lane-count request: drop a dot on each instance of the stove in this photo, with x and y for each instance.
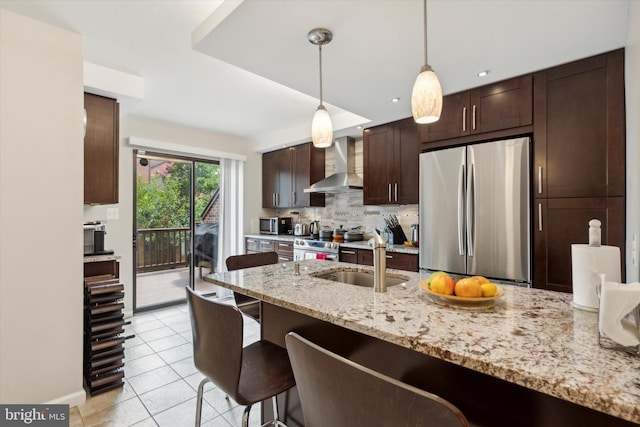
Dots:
(307, 248)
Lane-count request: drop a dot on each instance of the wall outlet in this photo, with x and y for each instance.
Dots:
(113, 213)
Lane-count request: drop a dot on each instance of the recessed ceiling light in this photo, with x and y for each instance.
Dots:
(359, 127)
(395, 100)
(483, 73)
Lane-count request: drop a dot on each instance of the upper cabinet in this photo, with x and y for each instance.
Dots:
(276, 178)
(579, 128)
(391, 163)
(101, 150)
(495, 107)
(287, 172)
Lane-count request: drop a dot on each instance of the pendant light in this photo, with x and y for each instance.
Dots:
(321, 126)
(426, 97)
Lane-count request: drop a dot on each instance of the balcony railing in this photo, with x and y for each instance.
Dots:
(162, 249)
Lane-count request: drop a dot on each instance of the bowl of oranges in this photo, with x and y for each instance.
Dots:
(472, 293)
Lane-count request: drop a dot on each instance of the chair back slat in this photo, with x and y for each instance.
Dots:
(217, 330)
(237, 262)
(337, 392)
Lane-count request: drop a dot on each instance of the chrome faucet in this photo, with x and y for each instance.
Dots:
(379, 263)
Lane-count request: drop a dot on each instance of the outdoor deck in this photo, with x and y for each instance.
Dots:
(160, 287)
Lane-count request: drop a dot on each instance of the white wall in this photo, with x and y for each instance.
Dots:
(41, 192)
(120, 231)
(632, 93)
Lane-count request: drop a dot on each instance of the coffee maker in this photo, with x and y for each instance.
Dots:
(94, 233)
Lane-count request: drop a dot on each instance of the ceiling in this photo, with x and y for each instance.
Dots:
(245, 68)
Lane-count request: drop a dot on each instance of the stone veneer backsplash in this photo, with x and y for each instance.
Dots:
(346, 209)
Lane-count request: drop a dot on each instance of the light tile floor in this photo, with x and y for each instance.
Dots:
(161, 381)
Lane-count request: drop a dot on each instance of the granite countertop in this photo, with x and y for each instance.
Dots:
(363, 244)
(100, 258)
(531, 337)
(281, 237)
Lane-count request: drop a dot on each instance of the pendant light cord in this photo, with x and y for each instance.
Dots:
(320, 52)
(425, 33)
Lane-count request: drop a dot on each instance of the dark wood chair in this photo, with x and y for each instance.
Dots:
(248, 305)
(248, 375)
(338, 392)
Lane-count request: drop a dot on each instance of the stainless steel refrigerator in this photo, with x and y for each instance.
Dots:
(474, 210)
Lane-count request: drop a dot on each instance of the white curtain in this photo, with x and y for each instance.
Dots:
(231, 224)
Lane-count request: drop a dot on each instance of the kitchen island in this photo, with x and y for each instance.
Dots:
(530, 360)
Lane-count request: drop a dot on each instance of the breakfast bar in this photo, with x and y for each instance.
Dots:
(532, 359)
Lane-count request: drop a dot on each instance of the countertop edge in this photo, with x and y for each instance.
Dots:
(548, 384)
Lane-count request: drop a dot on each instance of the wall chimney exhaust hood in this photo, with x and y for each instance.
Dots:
(344, 179)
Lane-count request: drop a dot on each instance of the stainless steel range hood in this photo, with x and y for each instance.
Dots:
(344, 179)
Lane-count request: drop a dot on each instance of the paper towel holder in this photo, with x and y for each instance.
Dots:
(633, 318)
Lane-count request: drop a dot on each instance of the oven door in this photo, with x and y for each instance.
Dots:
(302, 254)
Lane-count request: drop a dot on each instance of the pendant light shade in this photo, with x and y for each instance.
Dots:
(321, 126)
(426, 97)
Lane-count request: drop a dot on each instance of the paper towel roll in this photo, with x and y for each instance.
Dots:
(587, 262)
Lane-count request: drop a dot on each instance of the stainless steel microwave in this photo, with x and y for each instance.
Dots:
(275, 225)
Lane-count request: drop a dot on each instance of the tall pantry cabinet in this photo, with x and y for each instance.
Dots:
(579, 162)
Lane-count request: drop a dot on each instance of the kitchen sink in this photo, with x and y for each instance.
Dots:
(358, 278)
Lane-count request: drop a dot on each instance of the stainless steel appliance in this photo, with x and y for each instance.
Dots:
(474, 210)
(344, 179)
(314, 229)
(94, 233)
(275, 225)
(315, 249)
(300, 230)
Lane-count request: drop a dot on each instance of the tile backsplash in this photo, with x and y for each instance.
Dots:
(347, 210)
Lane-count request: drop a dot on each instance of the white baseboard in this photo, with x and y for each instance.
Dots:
(72, 399)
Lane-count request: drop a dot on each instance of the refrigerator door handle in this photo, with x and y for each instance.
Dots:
(461, 183)
(470, 210)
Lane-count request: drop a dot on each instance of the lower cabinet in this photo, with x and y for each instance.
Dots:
(559, 223)
(283, 248)
(395, 260)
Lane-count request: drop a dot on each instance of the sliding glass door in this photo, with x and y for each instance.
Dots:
(176, 227)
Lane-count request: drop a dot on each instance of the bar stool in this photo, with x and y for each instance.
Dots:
(248, 375)
(338, 392)
(248, 305)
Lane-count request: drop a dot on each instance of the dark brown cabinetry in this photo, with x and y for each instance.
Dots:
(101, 150)
(287, 172)
(579, 162)
(395, 260)
(477, 112)
(308, 168)
(276, 178)
(561, 222)
(103, 326)
(579, 128)
(391, 163)
(283, 248)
